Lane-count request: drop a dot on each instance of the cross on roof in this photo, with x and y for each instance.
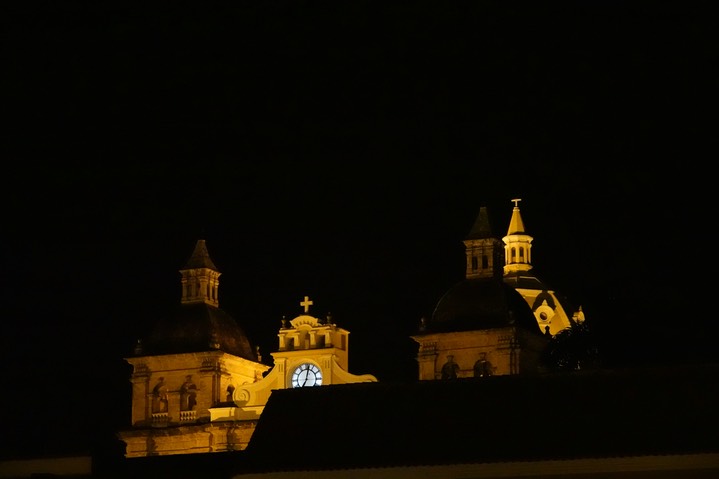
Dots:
(306, 304)
(516, 202)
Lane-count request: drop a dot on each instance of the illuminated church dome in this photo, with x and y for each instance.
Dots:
(195, 328)
(198, 324)
(481, 303)
(187, 369)
(481, 326)
(482, 300)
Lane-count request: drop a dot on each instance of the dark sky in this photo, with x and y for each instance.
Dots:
(341, 151)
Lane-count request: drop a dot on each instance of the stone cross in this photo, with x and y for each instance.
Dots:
(306, 304)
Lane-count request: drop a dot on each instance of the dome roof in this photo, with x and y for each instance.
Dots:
(524, 280)
(198, 327)
(481, 303)
(528, 280)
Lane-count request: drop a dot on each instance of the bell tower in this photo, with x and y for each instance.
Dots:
(546, 304)
(200, 278)
(483, 249)
(518, 244)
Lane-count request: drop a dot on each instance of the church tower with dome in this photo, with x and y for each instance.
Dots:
(499, 318)
(199, 386)
(190, 362)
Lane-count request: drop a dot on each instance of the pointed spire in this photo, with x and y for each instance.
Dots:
(516, 225)
(481, 228)
(200, 258)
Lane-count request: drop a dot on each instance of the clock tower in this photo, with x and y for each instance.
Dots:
(312, 352)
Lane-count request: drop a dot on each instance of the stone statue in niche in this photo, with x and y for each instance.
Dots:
(450, 368)
(482, 368)
(230, 393)
(159, 396)
(188, 394)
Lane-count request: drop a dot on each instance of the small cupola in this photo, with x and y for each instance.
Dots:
(517, 244)
(200, 278)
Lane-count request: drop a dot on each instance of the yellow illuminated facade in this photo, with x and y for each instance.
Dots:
(200, 387)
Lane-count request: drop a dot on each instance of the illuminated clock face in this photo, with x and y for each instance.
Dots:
(305, 375)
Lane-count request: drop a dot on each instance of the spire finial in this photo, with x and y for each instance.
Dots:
(516, 202)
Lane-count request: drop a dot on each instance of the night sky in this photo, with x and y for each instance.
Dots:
(340, 151)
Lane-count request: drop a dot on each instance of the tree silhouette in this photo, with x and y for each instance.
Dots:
(574, 348)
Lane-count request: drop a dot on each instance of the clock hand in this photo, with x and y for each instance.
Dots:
(307, 374)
